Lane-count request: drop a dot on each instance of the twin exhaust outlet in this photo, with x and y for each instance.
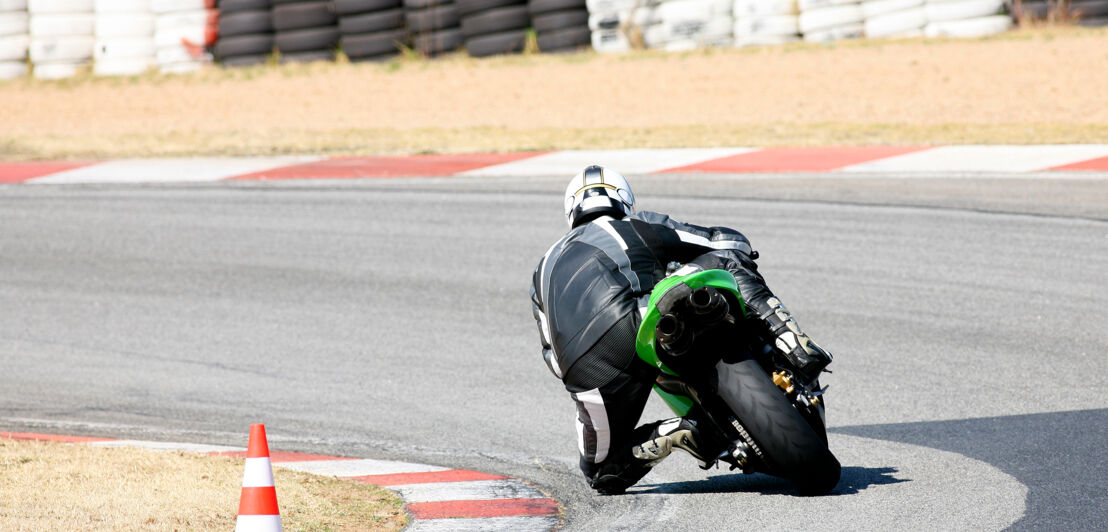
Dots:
(677, 330)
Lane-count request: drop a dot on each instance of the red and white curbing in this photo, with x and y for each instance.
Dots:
(437, 498)
(1039, 161)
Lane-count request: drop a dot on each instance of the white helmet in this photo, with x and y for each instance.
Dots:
(597, 191)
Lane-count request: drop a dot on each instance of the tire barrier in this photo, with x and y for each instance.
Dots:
(14, 38)
(245, 32)
(494, 27)
(184, 32)
(434, 26)
(57, 38)
(371, 30)
(305, 31)
(826, 21)
(124, 31)
(765, 22)
(560, 25)
(61, 37)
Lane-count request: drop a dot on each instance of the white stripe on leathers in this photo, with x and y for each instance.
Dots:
(714, 244)
(594, 405)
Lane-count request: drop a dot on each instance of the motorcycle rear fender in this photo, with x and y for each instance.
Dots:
(645, 341)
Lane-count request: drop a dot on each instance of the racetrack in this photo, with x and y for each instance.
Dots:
(389, 318)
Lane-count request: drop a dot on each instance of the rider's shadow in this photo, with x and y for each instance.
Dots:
(853, 480)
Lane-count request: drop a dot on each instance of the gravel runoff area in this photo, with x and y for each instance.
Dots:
(58, 486)
(1030, 86)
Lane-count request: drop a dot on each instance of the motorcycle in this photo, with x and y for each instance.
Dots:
(693, 332)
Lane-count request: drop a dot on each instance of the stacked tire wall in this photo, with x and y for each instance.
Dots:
(492, 27)
(560, 25)
(14, 39)
(184, 32)
(434, 26)
(765, 22)
(245, 32)
(306, 31)
(124, 31)
(688, 24)
(371, 30)
(965, 18)
(827, 21)
(61, 34)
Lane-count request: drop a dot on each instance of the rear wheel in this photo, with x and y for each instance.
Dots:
(785, 441)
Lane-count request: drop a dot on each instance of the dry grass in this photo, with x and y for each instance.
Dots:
(53, 486)
(1038, 86)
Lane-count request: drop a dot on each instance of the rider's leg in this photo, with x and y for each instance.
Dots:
(769, 316)
(606, 417)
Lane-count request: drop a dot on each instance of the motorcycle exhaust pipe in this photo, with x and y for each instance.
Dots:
(708, 305)
(672, 335)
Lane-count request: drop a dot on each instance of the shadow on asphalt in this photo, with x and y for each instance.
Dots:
(853, 480)
(1059, 456)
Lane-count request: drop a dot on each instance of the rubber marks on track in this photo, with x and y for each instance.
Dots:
(855, 160)
(437, 498)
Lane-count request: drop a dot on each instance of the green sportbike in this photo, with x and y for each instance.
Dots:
(693, 331)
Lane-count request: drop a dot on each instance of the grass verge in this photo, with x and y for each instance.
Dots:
(55, 486)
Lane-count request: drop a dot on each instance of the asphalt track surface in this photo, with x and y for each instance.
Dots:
(390, 319)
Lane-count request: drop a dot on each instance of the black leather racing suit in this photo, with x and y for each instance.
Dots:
(587, 294)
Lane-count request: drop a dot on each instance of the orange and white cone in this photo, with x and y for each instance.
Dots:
(258, 505)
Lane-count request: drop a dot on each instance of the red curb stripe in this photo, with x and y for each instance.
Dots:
(30, 436)
(258, 501)
(398, 166)
(810, 159)
(453, 475)
(22, 172)
(276, 457)
(486, 508)
(1099, 164)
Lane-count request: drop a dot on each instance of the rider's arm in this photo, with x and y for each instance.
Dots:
(683, 242)
(539, 313)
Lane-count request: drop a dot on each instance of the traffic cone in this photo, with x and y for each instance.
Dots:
(258, 505)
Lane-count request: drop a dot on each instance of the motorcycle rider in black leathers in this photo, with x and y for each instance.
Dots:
(587, 295)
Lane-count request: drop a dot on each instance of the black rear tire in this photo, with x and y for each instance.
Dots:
(790, 446)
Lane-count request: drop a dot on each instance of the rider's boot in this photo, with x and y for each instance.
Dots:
(806, 358)
(680, 433)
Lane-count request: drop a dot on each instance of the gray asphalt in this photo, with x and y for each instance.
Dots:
(390, 319)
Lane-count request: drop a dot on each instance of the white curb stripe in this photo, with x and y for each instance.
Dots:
(984, 159)
(474, 490)
(182, 170)
(486, 524)
(255, 523)
(634, 161)
(258, 473)
(170, 446)
(357, 468)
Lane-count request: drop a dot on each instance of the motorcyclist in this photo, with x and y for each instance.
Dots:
(587, 295)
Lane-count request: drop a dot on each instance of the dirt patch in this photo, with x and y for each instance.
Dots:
(54, 486)
(1032, 86)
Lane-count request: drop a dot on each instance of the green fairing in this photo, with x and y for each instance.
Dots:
(644, 341)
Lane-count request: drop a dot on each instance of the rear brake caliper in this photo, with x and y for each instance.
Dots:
(797, 392)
